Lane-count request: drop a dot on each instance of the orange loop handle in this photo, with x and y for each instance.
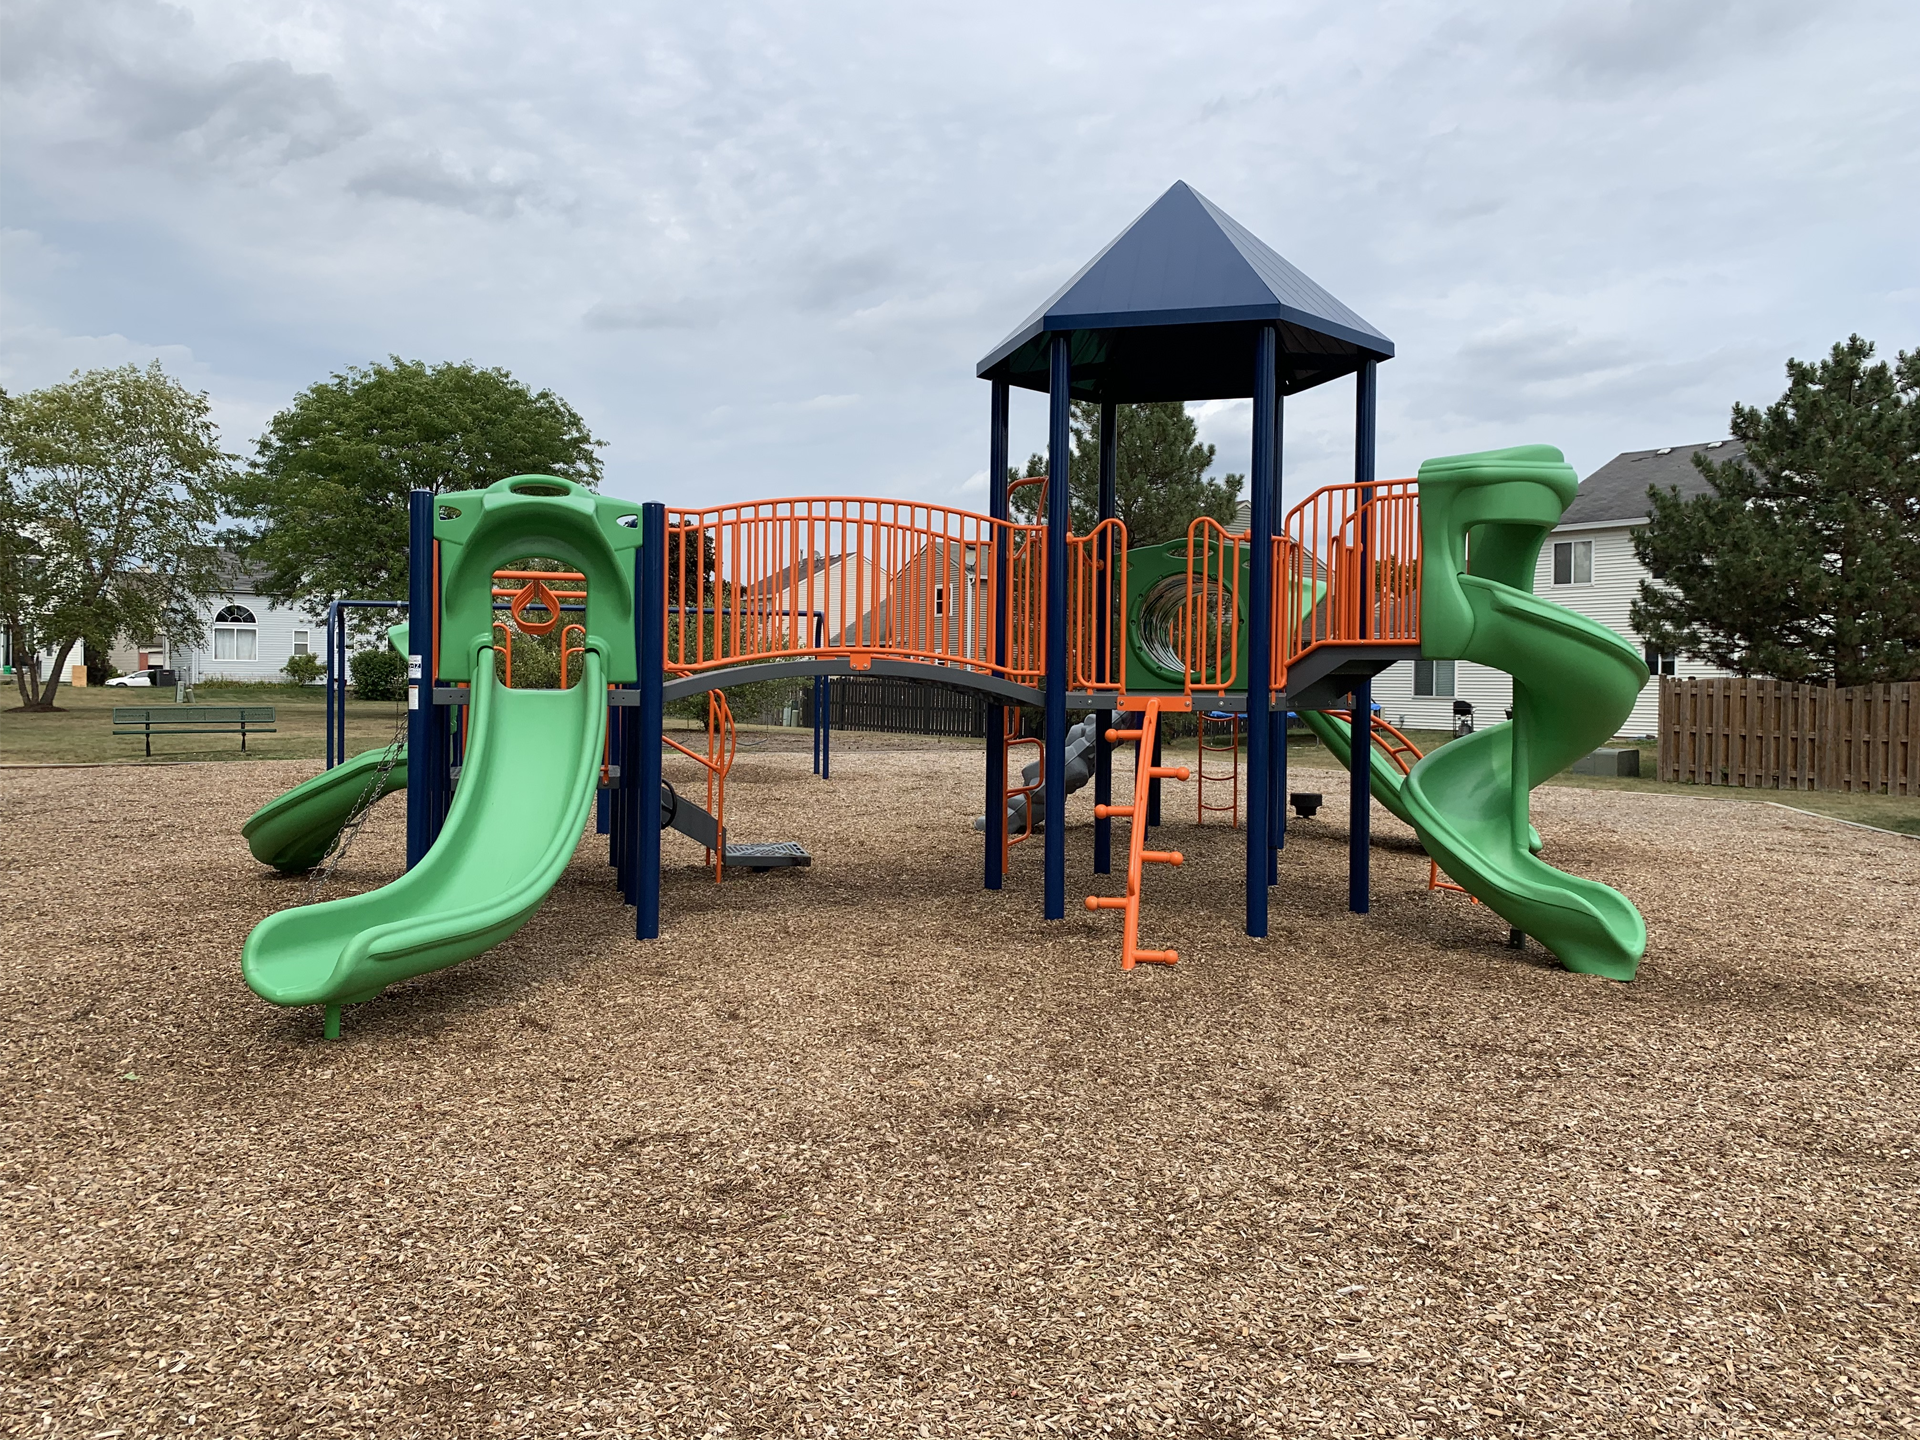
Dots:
(535, 592)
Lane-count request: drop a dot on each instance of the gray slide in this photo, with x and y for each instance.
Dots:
(694, 822)
(1081, 740)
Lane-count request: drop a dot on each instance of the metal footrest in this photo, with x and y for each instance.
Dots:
(768, 855)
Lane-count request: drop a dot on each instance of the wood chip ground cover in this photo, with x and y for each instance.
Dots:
(866, 1150)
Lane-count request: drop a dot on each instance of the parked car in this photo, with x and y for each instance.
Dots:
(146, 678)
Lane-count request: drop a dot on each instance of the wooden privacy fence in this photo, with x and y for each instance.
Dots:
(1773, 735)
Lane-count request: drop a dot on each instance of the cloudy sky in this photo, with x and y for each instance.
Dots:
(761, 248)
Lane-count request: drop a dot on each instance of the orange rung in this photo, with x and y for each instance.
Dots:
(1138, 856)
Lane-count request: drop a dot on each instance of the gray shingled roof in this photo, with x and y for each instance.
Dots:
(1618, 489)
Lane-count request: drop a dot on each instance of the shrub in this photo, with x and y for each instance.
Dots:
(379, 674)
(303, 669)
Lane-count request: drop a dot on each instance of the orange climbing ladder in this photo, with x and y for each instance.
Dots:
(1231, 778)
(1145, 772)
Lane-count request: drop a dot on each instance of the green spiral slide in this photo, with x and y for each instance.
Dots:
(1482, 520)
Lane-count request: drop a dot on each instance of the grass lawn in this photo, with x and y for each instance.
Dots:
(81, 730)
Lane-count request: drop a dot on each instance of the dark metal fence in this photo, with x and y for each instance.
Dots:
(901, 707)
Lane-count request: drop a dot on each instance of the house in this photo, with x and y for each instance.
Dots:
(1587, 564)
(245, 636)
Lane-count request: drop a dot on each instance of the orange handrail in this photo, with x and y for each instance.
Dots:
(1145, 772)
(504, 644)
(1212, 612)
(1097, 607)
(723, 741)
(575, 650)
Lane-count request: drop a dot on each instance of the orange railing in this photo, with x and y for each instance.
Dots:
(1210, 621)
(831, 576)
(1097, 608)
(1352, 570)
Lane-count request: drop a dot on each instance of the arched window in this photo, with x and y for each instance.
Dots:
(234, 634)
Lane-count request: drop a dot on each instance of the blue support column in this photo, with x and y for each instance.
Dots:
(422, 791)
(333, 615)
(1277, 744)
(1102, 749)
(996, 811)
(1360, 734)
(1260, 631)
(1054, 770)
(650, 618)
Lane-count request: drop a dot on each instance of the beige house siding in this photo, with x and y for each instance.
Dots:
(1606, 598)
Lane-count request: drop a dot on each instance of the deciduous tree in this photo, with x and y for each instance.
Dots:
(323, 506)
(109, 487)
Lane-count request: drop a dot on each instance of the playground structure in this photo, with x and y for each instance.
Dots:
(1297, 613)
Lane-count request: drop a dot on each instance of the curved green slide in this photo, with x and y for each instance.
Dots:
(1389, 785)
(527, 785)
(292, 832)
(1574, 684)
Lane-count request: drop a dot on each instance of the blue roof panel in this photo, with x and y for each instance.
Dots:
(1183, 265)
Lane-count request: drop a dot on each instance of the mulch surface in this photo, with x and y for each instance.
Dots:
(867, 1150)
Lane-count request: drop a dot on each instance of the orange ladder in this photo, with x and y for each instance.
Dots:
(1202, 775)
(1145, 772)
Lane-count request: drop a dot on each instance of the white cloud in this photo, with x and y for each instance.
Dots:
(1592, 224)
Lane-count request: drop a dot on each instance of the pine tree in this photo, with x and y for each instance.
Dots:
(1803, 561)
(1160, 474)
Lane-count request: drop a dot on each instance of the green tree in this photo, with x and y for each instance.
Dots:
(323, 507)
(1160, 474)
(1803, 560)
(109, 489)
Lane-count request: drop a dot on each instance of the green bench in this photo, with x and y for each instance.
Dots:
(152, 720)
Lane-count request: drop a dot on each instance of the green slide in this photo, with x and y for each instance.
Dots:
(1389, 785)
(527, 785)
(1574, 683)
(292, 832)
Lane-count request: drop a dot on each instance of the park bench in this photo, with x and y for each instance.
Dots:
(152, 720)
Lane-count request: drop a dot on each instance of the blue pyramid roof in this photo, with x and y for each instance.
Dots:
(1168, 311)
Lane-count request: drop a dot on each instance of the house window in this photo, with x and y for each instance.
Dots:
(939, 600)
(302, 642)
(1433, 677)
(235, 634)
(1657, 664)
(1573, 562)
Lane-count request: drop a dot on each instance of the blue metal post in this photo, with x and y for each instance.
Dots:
(1360, 733)
(1103, 721)
(649, 614)
(824, 709)
(333, 614)
(997, 713)
(421, 790)
(1054, 769)
(1260, 630)
(1277, 744)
